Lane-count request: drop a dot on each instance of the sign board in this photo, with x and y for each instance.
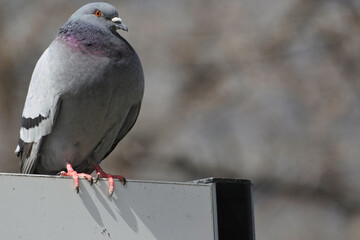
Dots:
(47, 207)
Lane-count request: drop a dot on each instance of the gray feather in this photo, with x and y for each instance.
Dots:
(126, 127)
(97, 77)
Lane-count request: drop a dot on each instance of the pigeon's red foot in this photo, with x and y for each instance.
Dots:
(101, 174)
(72, 173)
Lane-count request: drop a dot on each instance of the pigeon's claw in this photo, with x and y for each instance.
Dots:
(101, 174)
(72, 173)
(97, 177)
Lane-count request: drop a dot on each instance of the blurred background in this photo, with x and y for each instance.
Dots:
(262, 89)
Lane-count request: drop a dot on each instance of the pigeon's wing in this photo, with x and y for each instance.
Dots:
(41, 107)
(128, 124)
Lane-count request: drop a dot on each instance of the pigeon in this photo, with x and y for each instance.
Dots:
(84, 96)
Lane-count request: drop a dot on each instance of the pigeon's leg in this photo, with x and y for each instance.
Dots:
(72, 173)
(101, 174)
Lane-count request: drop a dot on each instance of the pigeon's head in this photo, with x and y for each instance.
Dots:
(100, 14)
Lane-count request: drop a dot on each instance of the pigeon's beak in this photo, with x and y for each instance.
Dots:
(119, 24)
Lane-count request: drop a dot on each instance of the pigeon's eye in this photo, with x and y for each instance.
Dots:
(97, 13)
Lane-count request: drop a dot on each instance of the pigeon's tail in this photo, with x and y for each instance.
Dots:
(28, 154)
